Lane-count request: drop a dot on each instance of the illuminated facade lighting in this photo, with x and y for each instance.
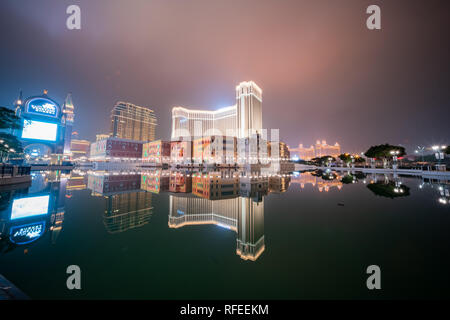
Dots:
(240, 120)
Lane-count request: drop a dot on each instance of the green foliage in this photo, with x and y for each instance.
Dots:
(8, 142)
(383, 151)
(8, 119)
(389, 190)
(347, 158)
(325, 175)
(347, 179)
(447, 150)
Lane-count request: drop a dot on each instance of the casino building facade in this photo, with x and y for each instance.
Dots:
(47, 125)
(241, 120)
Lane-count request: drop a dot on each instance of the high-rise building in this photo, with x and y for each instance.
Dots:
(248, 109)
(240, 120)
(132, 122)
(68, 119)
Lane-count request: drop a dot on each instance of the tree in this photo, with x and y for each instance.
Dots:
(389, 189)
(325, 160)
(346, 158)
(447, 150)
(348, 178)
(8, 119)
(385, 152)
(8, 142)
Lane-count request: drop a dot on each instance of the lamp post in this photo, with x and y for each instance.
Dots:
(420, 150)
(439, 153)
(394, 154)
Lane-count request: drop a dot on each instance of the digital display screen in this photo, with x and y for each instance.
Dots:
(29, 207)
(38, 130)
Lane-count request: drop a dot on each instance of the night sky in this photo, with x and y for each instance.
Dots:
(324, 75)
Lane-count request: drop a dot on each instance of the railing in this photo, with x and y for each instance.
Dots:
(7, 171)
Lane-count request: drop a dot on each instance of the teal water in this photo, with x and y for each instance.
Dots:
(301, 236)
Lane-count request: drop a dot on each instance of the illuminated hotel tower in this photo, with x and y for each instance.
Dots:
(68, 119)
(239, 120)
(248, 109)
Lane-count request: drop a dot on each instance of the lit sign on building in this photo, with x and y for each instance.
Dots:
(42, 106)
(29, 207)
(27, 233)
(38, 130)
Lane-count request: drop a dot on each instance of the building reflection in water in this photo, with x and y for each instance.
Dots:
(127, 206)
(323, 180)
(441, 186)
(28, 212)
(227, 199)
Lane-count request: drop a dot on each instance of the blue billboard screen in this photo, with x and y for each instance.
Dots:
(38, 130)
(29, 207)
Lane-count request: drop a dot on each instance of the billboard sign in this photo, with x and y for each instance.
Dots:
(42, 106)
(38, 130)
(24, 234)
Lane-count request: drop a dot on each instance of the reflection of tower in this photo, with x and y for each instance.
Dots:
(248, 109)
(242, 215)
(279, 183)
(250, 241)
(68, 119)
(127, 211)
(191, 210)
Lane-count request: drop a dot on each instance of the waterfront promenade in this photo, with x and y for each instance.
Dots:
(9, 291)
(411, 172)
(10, 174)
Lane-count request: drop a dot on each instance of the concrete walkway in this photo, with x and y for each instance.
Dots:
(411, 172)
(9, 291)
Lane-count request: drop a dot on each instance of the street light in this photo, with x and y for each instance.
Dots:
(439, 153)
(394, 154)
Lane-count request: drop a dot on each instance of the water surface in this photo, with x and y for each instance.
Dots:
(226, 235)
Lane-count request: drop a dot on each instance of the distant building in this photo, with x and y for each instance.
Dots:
(101, 136)
(116, 149)
(80, 148)
(156, 152)
(132, 122)
(240, 120)
(306, 153)
(320, 149)
(323, 149)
